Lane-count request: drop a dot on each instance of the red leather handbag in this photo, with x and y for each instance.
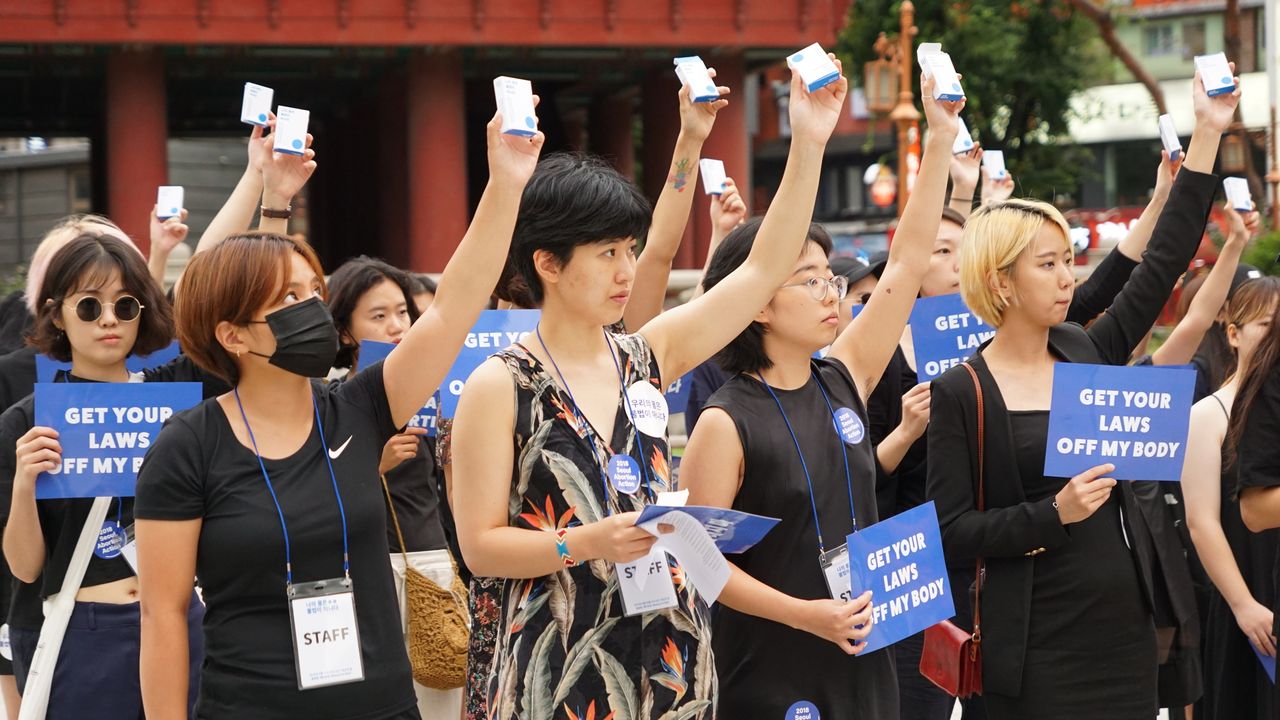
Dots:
(952, 658)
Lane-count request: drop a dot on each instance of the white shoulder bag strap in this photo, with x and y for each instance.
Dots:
(35, 697)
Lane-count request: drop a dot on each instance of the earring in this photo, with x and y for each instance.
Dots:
(237, 353)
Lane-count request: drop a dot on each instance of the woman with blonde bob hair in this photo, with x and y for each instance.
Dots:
(1069, 632)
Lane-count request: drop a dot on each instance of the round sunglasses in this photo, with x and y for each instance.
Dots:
(126, 308)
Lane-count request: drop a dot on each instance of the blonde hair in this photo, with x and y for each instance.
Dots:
(994, 237)
(67, 229)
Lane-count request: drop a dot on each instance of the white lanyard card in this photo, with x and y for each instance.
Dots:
(835, 568)
(646, 584)
(326, 641)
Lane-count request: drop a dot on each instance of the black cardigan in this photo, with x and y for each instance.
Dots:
(1011, 527)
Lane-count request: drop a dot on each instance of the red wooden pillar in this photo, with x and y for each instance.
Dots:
(437, 159)
(137, 131)
(610, 132)
(661, 126)
(728, 142)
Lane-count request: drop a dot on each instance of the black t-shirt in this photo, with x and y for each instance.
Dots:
(62, 519)
(413, 490)
(15, 321)
(198, 469)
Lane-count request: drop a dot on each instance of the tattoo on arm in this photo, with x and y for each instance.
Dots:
(680, 177)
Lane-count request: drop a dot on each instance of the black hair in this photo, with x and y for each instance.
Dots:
(347, 285)
(422, 283)
(745, 353)
(84, 263)
(572, 199)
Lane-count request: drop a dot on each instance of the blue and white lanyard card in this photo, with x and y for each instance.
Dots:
(326, 640)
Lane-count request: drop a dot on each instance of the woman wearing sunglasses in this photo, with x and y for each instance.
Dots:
(96, 305)
(768, 443)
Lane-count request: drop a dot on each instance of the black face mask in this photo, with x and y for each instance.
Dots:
(306, 339)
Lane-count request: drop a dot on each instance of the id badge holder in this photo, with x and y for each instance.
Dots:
(835, 569)
(130, 549)
(646, 584)
(326, 640)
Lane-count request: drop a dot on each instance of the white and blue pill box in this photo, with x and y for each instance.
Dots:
(693, 75)
(815, 68)
(256, 108)
(169, 201)
(1237, 190)
(515, 104)
(291, 130)
(993, 161)
(1169, 137)
(1216, 74)
(713, 176)
(946, 83)
(964, 141)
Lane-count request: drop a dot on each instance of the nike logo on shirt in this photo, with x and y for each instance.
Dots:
(333, 454)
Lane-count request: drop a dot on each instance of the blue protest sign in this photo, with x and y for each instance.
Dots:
(1135, 418)
(47, 367)
(1268, 663)
(495, 330)
(733, 531)
(372, 351)
(945, 334)
(678, 395)
(105, 430)
(900, 561)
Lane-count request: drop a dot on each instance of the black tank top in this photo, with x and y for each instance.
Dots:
(765, 667)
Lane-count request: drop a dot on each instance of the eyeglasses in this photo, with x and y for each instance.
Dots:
(861, 298)
(126, 308)
(818, 286)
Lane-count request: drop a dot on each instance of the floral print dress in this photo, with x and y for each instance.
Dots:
(565, 650)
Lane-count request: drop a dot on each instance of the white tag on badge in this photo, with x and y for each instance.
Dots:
(647, 409)
(835, 568)
(646, 584)
(326, 640)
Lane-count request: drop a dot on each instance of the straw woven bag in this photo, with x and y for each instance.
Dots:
(439, 625)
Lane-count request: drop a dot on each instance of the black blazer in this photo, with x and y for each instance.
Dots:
(1012, 527)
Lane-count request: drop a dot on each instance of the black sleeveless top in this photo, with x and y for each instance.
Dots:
(764, 666)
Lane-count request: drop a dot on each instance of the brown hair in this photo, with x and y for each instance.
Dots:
(231, 283)
(1251, 301)
(84, 264)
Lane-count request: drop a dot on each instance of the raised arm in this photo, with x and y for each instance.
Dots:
(966, 169)
(685, 336)
(237, 212)
(415, 368)
(1100, 289)
(728, 210)
(165, 236)
(671, 215)
(1202, 489)
(283, 176)
(1203, 311)
(1176, 237)
(868, 343)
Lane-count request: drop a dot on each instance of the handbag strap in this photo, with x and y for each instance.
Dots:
(395, 520)
(982, 505)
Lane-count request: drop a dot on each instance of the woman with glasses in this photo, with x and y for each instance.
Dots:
(97, 304)
(786, 437)
(1068, 631)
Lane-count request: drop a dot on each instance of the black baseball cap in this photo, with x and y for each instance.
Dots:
(857, 268)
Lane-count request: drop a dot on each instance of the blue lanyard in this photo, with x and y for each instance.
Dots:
(848, 477)
(582, 418)
(288, 553)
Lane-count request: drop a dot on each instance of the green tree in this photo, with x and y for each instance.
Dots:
(1022, 60)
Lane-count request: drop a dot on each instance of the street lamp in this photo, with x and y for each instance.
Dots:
(896, 57)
